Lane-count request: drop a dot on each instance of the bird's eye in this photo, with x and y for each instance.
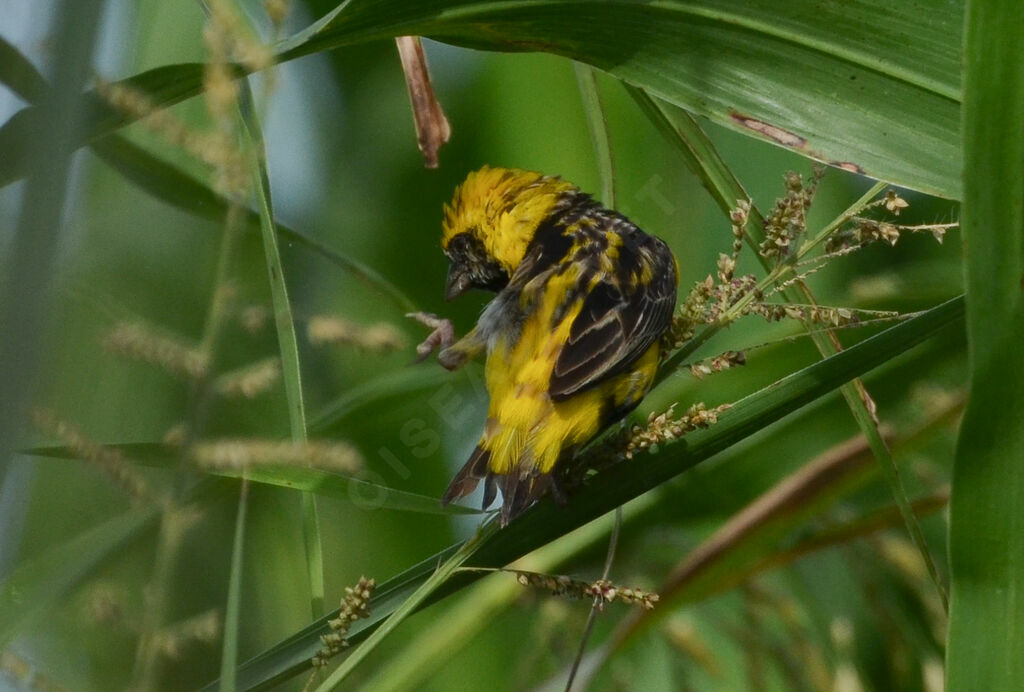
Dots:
(460, 243)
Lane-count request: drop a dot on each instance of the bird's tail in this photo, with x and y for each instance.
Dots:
(518, 490)
(469, 476)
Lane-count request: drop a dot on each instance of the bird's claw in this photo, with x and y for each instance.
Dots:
(442, 336)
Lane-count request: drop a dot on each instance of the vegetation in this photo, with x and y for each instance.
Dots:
(222, 470)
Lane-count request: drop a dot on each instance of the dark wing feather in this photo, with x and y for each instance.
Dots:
(620, 319)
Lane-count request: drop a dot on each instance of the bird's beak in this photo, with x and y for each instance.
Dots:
(458, 282)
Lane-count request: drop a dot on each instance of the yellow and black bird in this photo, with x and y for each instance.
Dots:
(572, 337)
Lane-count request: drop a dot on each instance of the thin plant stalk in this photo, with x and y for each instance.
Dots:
(594, 607)
(176, 516)
(597, 122)
(233, 607)
(287, 343)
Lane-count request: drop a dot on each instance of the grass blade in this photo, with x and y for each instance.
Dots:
(233, 607)
(165, 86)
(288, 344)
(597, 123)
(347, 488)
(986, 629)
(19, 75)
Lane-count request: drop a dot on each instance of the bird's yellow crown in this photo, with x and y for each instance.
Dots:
(502, 208)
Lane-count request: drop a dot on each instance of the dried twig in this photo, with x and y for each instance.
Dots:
(432, 128)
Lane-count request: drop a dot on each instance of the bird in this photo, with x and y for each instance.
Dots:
(572, 336)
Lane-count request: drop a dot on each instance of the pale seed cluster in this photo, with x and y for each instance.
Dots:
(723, 361)
(214, 149)
(354, 606)
(247, 452)
(107, 459)
(894, 203)
(231, 39)
(229, 46)
(381, 337)
(105, 606)
(254, 318)
(329, 330)
(689, 316)
(277, 10)
(665, 427)
(723, 301)
(176, 435)
(141, 342)
(710, 301)
(205, 628)
(227, 40)
(27, 674)
(788, 219)
(817, 314)
(739, 216)
(250, 381)
(603, 590)
(863, 231)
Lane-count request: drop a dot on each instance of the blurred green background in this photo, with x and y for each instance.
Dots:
(345, 170)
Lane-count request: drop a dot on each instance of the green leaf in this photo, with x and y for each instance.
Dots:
(545, 522)
(37, 584)
(716, 566)
(20, 75)
(362, 492)
(365, 494)
(162, 86)
(597, 122)
(871, 86)
(986, 629)
(233, 605)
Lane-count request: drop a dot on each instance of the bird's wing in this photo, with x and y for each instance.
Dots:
(621, 317)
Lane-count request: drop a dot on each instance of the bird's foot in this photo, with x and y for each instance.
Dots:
(442, 337)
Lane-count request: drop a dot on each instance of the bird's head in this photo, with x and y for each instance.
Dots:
(490, 222)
